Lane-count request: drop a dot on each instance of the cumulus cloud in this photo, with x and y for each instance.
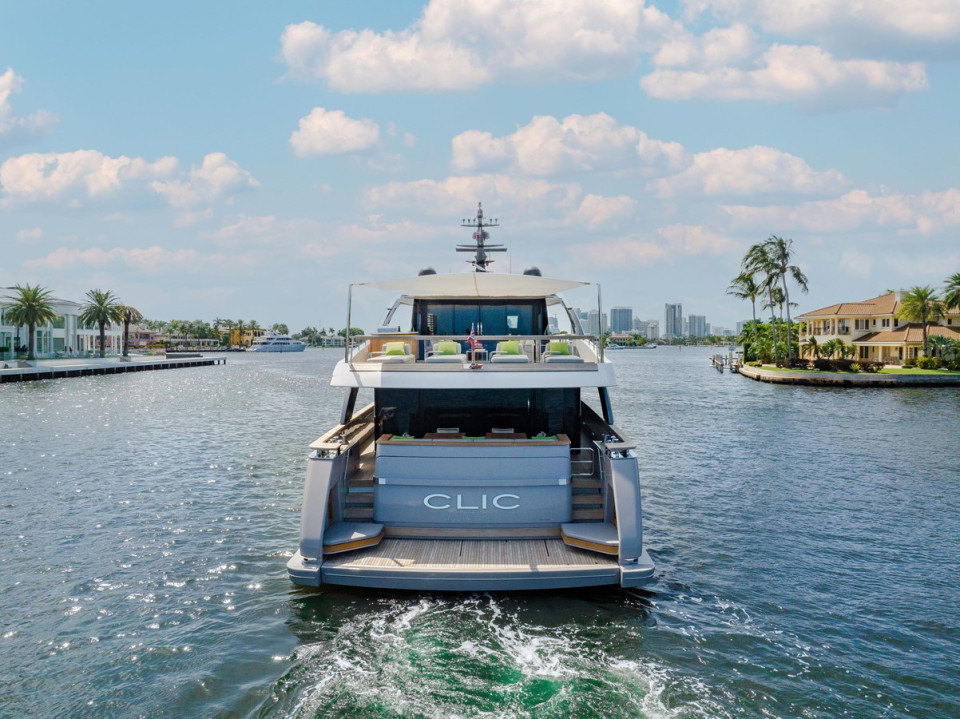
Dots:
(460, 44)
(805, 74)
(753, 170)
(925, 213)
(34, 233)
(523, 197)
(216, 177)
(36, 123)
(83, 173)
(598, 212)
(331, 132)
(150, 260)
(644, 250)
(920, 26)
(578, 143)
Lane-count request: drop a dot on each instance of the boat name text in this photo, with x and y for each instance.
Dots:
(445, 501)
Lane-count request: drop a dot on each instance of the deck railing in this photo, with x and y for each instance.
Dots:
(421, 344)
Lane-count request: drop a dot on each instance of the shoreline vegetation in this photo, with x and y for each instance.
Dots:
(887, 377)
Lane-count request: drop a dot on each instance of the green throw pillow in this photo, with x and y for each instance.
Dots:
(394, 348)
(559, 348)
(447, 348)
(511, 347)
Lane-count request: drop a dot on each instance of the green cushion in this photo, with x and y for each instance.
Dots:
(447, 348)
(394, 348)
(559, 348)
(511, 347)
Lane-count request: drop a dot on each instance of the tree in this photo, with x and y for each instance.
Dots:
(30, 306)
(102, 308)
(757, 262)
(779, 253)
(744, 287)
(811, 348)
(951, 293)
(280, 328)
(921, 304)
(129, 316)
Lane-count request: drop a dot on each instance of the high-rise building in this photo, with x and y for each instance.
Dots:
(621, 319)
(697, 325)
(673, 321)
(592, 325)
(652, 330)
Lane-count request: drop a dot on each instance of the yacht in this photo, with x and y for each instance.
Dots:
(277, 343)
(480, 464)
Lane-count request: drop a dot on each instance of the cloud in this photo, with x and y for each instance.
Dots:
(805, 74)
(331, 132)
(35, 124)
(669, 243)
(150, 260)
(463, 44)
(920, 26)
(597, 212)
(523, 197)
(83, 173)
(34, 233)
(926, 213)
(217, 176)
(753, 170)
(578, 143)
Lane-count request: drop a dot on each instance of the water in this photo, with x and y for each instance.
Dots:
(807, 543)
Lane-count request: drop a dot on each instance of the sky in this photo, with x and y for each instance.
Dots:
(250, 160)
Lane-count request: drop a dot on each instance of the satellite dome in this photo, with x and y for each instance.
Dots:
(426, 271)
(535, 271)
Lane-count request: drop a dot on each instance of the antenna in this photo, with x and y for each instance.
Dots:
(480, 260)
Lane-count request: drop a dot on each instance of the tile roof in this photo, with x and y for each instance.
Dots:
(909, 333)
(886, 304)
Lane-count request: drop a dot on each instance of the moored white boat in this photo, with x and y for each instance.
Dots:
(478, 465)
(277, 343)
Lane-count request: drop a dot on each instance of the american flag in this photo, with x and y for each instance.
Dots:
(472, 339)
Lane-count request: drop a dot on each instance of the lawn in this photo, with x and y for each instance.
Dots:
(885, 370)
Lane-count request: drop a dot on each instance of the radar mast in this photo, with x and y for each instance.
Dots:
(480, 260)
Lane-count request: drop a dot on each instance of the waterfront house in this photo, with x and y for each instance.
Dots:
(873, 328)
(64, 337)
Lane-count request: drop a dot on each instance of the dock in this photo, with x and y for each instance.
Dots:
(13, 371)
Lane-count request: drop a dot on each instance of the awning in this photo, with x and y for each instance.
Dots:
(476, 284)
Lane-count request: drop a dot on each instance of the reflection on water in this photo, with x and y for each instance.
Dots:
(807, 544)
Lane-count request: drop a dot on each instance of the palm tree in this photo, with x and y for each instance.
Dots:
(129, 315)
(744, 287)
(240, 329)
(779, 252)
(951, 293)
(30, 306)
(921, 304)
(102, 308)
(758, 262)
(812, 347)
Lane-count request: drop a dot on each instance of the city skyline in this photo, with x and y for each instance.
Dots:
(254, 163)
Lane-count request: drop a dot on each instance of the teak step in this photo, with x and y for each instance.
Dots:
(587, 500)
(358, 514)
(363, 499)
(585, 484)
(587, 515)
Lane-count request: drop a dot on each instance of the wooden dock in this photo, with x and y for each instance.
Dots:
(12, 371)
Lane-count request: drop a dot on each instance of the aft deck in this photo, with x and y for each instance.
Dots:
(470, 565)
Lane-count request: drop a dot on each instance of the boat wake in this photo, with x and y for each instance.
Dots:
(480, 655)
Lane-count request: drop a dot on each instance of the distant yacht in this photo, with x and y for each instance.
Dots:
(277, 343)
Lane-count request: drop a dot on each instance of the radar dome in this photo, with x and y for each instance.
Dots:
(427, 271)
(535, 271)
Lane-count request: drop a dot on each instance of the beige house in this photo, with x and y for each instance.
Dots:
(872, 326)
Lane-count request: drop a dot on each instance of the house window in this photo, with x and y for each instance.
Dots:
(885, 322)
(861, 324)
(864, 352)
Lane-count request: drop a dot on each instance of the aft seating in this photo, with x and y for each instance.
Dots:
(393, 352)
(509, 351)
(447, 351)
(561, 351)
